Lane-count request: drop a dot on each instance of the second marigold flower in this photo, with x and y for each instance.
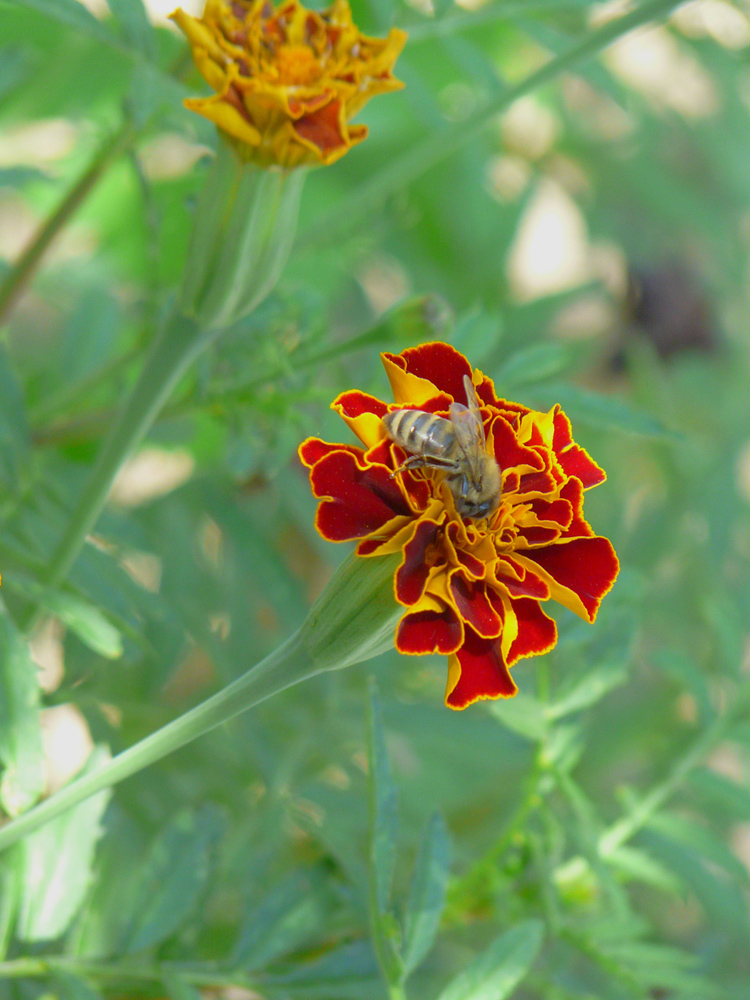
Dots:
(288, 80)
(473, 573)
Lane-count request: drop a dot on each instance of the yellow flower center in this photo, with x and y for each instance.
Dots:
(297, 65)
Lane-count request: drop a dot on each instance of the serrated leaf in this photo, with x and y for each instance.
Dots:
(496, 973)
(69, 12)
(427, 896)
(172, 877)
(21, 751)
(58, 863)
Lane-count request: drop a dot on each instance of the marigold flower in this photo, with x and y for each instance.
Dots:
(471, 589)
(287, 79)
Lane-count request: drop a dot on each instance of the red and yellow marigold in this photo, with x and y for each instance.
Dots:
(470, 589)
(288, 80)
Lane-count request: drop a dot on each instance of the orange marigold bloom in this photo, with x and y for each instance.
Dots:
(471, 589)
(287, 79)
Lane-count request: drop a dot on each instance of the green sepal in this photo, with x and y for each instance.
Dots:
(355, 617)
(244, 230)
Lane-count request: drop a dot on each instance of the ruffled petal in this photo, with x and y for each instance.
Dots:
(364, 414)
(579, 572)
(574, 459)
(537, 633)
(477, 670)
(356, 501)
(424, 632)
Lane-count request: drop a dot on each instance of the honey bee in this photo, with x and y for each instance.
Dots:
(456, 446)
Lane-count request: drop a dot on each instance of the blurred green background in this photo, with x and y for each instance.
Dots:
(588, 246)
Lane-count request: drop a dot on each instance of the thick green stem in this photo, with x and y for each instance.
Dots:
(352, 620)
(174, 349)
(18, 278)
(286, 666)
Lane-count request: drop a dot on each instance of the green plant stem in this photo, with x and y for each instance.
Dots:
(622, 830)
(352, 620)
(287, 665)
(331, 226)
(18, 278)
(175, 347)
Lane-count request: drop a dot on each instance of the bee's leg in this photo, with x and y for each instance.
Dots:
(422, 462)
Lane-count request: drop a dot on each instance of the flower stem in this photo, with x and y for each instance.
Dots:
(352, 620)
(18, 278)
(286, 666)
(175, 347)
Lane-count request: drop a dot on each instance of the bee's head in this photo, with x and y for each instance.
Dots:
(477, 508)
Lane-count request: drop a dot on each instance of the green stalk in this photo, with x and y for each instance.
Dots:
(353, 620)
(175, 347)
(20, 275)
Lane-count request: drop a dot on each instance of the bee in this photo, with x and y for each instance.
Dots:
(456, 446)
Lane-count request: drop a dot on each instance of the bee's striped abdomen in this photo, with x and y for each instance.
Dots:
(420, 433)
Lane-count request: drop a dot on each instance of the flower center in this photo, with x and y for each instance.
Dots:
(297, 65)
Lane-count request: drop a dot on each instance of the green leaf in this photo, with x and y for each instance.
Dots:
(427, 897)
(14, 434)
(383, 834)
(606, 412)
(87, 622)
(71, 13)
(702, 840)
(291, 914)
(636, 864)
(72, 987)
(497, 972)
(10, 895)
(523, 714)
(58, 864)
(533, 364)
(730, 796)
(20, 735)
(383, 812)
(589, 690)
(135, 23)
(172, 878)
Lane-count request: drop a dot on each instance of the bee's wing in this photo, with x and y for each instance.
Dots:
(469, 431)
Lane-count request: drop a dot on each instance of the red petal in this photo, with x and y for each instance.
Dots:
(356, 501)
(520, 581)
(322, 128)
(355, 403)
(475, 608)
(537, 482)
(560, 511)
(537, 633)
(483, 672)
(411, 576)
(437, 362)
(421, 632)
(578, 527)
(508, 451)
(313, 449)
(587, 566)
(574, 460)
(474, 567)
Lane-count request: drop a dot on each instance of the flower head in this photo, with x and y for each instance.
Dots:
(471, 588)
(287, 79)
